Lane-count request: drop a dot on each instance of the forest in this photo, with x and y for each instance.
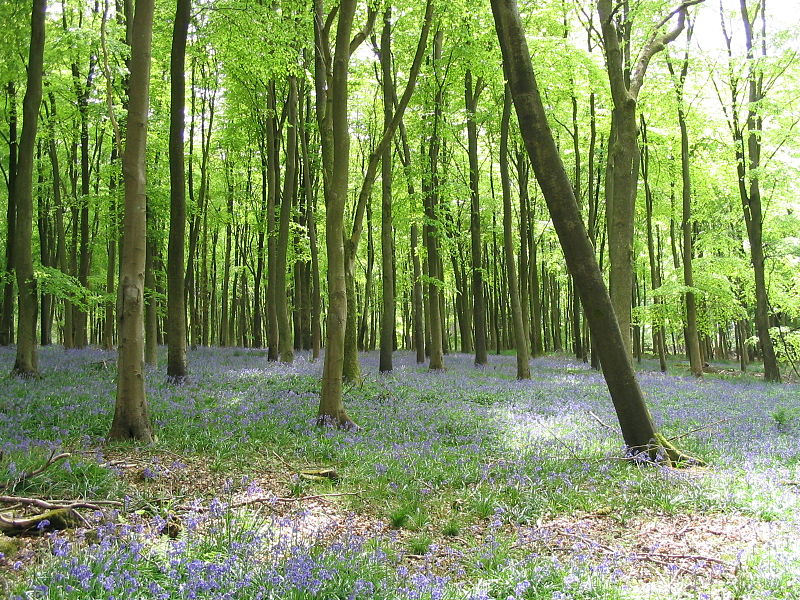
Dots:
(399, 299)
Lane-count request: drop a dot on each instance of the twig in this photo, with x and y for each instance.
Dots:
(280, 458)
(696, 429)
(602, 423)
(695, 557)
(54, 458)
(319, 496)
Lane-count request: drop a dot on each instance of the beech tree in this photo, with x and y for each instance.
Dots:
(622, 172)
(26, 363)
(177, 368)
(131, 417)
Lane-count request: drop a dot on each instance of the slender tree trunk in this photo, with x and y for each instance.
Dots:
(655, 274)
(638, 428)
(520, 336)
(177, 364)
(750, 186)
(272, 193)
(431, 195)
(623, 151)
(471, 95)
(388, 317)
(131, 418)
(150, 303)
(285, 349)
(26, 362)
(7, 316)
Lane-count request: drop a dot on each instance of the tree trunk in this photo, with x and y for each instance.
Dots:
(150, 303)
(272, 193)
(26, 363)
(388, 316)
(431, 195)
(131, 419)
(285, 346)
(750, 187)
(177, 366)
(638, 428)
(520, 337)
(335, 141)
(622, 172)
(471, 95)
(655, 273)
(7, 316)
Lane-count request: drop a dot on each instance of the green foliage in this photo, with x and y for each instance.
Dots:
(65, 287)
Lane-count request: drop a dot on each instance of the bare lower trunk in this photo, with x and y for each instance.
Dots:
(520, 337)
(131, 418)
(177, 367)
(26, 362)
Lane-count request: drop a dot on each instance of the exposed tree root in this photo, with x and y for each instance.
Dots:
(661, 450)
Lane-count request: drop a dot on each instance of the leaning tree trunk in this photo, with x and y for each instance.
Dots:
(638, 428)
(26, 363)
(131, 419)
(520, 335)
(177, 367)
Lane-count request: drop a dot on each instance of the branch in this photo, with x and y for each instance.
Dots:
(365, 31)
(657, 43)
(54, 458)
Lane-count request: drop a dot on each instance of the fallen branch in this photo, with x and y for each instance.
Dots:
(695, 557)
(54, 458)
(57, 504)
(696, 429)
(319, 496)
(658, 557)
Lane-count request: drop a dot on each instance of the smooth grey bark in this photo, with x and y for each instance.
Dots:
(131, 417)
(388, 315)
(690, 331)
(748, 159)
(285, 346)
(331, 75)
(622, 171)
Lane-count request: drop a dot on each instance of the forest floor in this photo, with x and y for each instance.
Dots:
(464, 484)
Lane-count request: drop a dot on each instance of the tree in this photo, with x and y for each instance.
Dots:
(747, 139)
(622, 172)
(26, 363)
(177, 368)
(638, 428)
(471, 95)
(131, 418)
(692, 339)
(331, 86)
(520, 335)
